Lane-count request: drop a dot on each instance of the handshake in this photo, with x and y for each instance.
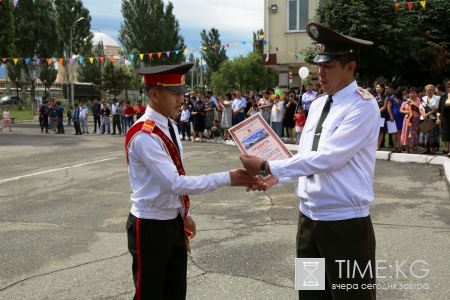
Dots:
(249, 175)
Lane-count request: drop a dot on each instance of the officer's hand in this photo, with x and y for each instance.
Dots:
(190, 225)
(251, 163)
(264, 184)
(240, 177)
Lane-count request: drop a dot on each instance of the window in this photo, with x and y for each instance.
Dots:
(297, 15)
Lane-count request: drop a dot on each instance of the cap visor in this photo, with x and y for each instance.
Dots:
(178, 89)
(325, 58)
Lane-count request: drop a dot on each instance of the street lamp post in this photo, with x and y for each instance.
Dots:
(71, 68)
(45, 87)
(17, 89)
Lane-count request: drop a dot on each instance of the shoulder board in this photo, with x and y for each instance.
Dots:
(171, 120)
(148, 126)
(364, 94)
(318, 96)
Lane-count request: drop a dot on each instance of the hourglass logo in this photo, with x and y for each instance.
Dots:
(310, 273)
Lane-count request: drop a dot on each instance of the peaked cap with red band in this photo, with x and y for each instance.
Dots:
(331, 44)
(171, 77)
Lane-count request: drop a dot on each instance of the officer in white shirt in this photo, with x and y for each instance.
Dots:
(159, 225)
(308, 98)
(334, 168)
(238, 108)
(84, 112)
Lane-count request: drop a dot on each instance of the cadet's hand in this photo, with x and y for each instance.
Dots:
(251, 163)
(240, 177)
(190, 225)
(264, 185)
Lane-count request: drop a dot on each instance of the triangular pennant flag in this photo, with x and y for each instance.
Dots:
(204, 47)
(264, 42)
(186, 51)
(150, 55)
(122, 57)
(27, 60)
(396, 6)
(276, 48)
(290, 53)
(61, 61)
(194, 49)
(70, 61)
(15, 60)
(3, 59)
(410, 5)
(38, 61)
(34, 1)
(214, 47)
(141, 56)
(228, 45)
(423, 3)
(132, 56)
(270, 46)
(49, 61)
(91, 59)
(102, 58)
(15, 2)
(111, 58)
(159, 54)
(168, 53)
(177, 51)
(296, 56)
(243, 42)
(80, 60)
(236, 43)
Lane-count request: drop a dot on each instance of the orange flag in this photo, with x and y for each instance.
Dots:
(410, 4)
(61, 61)
(159, 54)
(111, 58)
(396, 6)
(49, 61)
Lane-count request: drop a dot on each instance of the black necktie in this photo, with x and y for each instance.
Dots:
(323, 116)
(172, 135)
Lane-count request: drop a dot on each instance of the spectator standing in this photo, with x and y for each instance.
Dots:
(60, 115)
(226, 122)
(290, 105)
(443, 118)
(199, 98)
(308, 98)
(211, 97)
(410, 129)
(49, 105)
(395, 102)
(299, 120)
(123, 119)
(83, 117)
(6, 119)
(265, 106)
(428, 108)
(139, 110)
(276, 116)
(40, 116)
(199, 126)
(185, 124)
(191, 110)
(106, 123)
(129, 112)
(69, 117)
(381, 98)
(254, 110)
(210, 108)
(96, 108)
(54, 116)
(116, 117)
(238, 108)
(45, 112)
(76, 119)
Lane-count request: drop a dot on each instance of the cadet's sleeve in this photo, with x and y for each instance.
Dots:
(148, 149)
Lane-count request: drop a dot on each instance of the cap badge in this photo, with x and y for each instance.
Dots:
(320, 47)
(314, 31)
(183, 79)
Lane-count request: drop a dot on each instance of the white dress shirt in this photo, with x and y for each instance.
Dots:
(434, 103)
(185, 114)
(344, 164)
(84, 111)
(238, 103)
(114, 109)
(277, 116)
(155, 182)
(307, 99)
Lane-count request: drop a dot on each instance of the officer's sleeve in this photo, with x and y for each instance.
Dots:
(149, 150)
(352, 134)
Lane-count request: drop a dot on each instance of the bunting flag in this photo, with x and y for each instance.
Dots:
(270, 46)
(150, 55)
(15, 60)
(91, 59)
(178, 51)
(194, 49)
(132, 56)
(410, 5)
(3, 59)
(236, 43)
(141, 56)
(15, 2)
(264, 42)
(80, 60)
(243, 42)
(61, 61)
(111, 58)
(49, 61)
(204, 48)
(168, 53)
(228, 46)
(423, 3)
(396, 6)
(102, 59)
(70, 61)
(276, 48)
(27, 60)
(296, 56)
(214, 47)
(122, 58)
(159, 54)
(186, 51)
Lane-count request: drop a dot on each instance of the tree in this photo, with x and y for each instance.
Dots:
(36, 36)
(212, 52)
(47, 73)
(115, 79)
(88, 72)
(66, 13)
(258, 42)
(244, 73)
(7, 29)
(150, 27)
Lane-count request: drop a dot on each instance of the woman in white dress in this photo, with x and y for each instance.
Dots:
(225, 106)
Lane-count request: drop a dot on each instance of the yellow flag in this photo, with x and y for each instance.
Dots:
(204, 47)
(16, 60)
(423, 3)
(236, 43)
(141, 56)
(186, 51)
(91, 59)
(291, 53)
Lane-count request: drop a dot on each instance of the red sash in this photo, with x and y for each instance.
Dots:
(150, 127)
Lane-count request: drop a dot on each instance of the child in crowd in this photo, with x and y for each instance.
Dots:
(6, 119)
(254, 110)
(215, 130)
(185, 125)
(69, 117)
(299, 119)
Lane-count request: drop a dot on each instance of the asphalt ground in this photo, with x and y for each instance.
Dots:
(64, 200)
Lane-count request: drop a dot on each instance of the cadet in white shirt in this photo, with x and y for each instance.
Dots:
(334, 167)
(159, 226)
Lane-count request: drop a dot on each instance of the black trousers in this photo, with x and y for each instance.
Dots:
(97, 121)
(44, 123)
(186, 129)
(351, 240)
(116, 122)
(159, 258)
(76, 125)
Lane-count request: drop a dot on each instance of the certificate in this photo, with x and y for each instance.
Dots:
(254, 136)
(392, 127)
(382, 121)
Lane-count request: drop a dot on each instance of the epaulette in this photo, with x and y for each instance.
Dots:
(364, 93)
(148, 126)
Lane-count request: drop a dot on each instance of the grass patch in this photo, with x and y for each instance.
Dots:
(21, 115)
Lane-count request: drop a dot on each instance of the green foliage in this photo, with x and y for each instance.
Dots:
(6, 29)
(150, 27)
(115, 79)
(92, 73)
(244, 73)
(213, 58)
(47, 73)
(258, 43)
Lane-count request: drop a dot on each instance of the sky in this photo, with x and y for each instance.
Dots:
(236, 20)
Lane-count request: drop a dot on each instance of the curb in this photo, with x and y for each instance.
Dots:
(384, 155)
